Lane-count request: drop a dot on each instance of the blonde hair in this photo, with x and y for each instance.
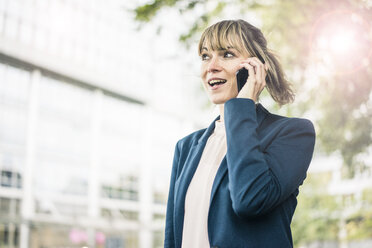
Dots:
(246, 38)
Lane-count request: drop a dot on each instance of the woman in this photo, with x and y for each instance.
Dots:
(235, 183)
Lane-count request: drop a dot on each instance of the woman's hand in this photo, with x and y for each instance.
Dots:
(256, 80)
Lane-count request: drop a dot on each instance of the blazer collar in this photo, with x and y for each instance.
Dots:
(208, 131)
(261, 113)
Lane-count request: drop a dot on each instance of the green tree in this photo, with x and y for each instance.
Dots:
(343, 101)
(359, 224)
(317, 216)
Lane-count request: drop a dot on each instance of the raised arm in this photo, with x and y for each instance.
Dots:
(260, 180)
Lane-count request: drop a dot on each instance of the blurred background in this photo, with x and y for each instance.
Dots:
(94, 95)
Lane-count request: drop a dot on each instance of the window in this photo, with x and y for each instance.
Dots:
(126, 188)
(10, 179)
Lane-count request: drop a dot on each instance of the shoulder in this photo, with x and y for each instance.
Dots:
(301, 123)
(287, 130)
(287, 123)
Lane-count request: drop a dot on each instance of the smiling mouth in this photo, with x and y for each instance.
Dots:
(216, 82)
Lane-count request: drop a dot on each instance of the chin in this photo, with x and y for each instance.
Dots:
(219, 100)
(222, 97)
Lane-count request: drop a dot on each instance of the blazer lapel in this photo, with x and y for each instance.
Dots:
(189, 169)
(261, 113)
(185, 177)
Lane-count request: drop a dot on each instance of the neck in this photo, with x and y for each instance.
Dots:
(221, 107)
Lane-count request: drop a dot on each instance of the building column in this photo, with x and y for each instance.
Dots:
(27, 202)
(145, 181)
(11, 231)
(94, 180)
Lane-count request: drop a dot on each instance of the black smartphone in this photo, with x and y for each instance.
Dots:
(241, 77)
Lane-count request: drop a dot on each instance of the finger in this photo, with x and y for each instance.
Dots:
(248, 61)
(262, 68)
(250, 69)
(261, 65)
(255, 59)
(259, 68)
(260, 78)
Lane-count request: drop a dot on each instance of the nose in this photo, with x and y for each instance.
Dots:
(214, 65)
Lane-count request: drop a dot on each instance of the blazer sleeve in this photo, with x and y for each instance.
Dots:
(169, 240)
(260, 180)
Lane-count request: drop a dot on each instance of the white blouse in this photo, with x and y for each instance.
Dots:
(195, 226)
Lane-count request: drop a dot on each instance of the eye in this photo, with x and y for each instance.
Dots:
(204, 56)
(228, 54)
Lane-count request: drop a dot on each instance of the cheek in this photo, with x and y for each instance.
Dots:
(233, 76)
(236, 67)
(203, 77)
(203, 67)
(233, 68)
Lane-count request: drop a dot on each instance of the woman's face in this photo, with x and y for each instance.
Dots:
(218, 72)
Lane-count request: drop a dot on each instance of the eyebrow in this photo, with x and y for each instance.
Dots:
(221, 49)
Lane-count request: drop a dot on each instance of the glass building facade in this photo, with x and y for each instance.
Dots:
(84, 159)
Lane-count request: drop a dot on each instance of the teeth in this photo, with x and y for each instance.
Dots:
(212, 82)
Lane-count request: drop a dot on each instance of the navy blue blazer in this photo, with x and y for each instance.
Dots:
(254, 192)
